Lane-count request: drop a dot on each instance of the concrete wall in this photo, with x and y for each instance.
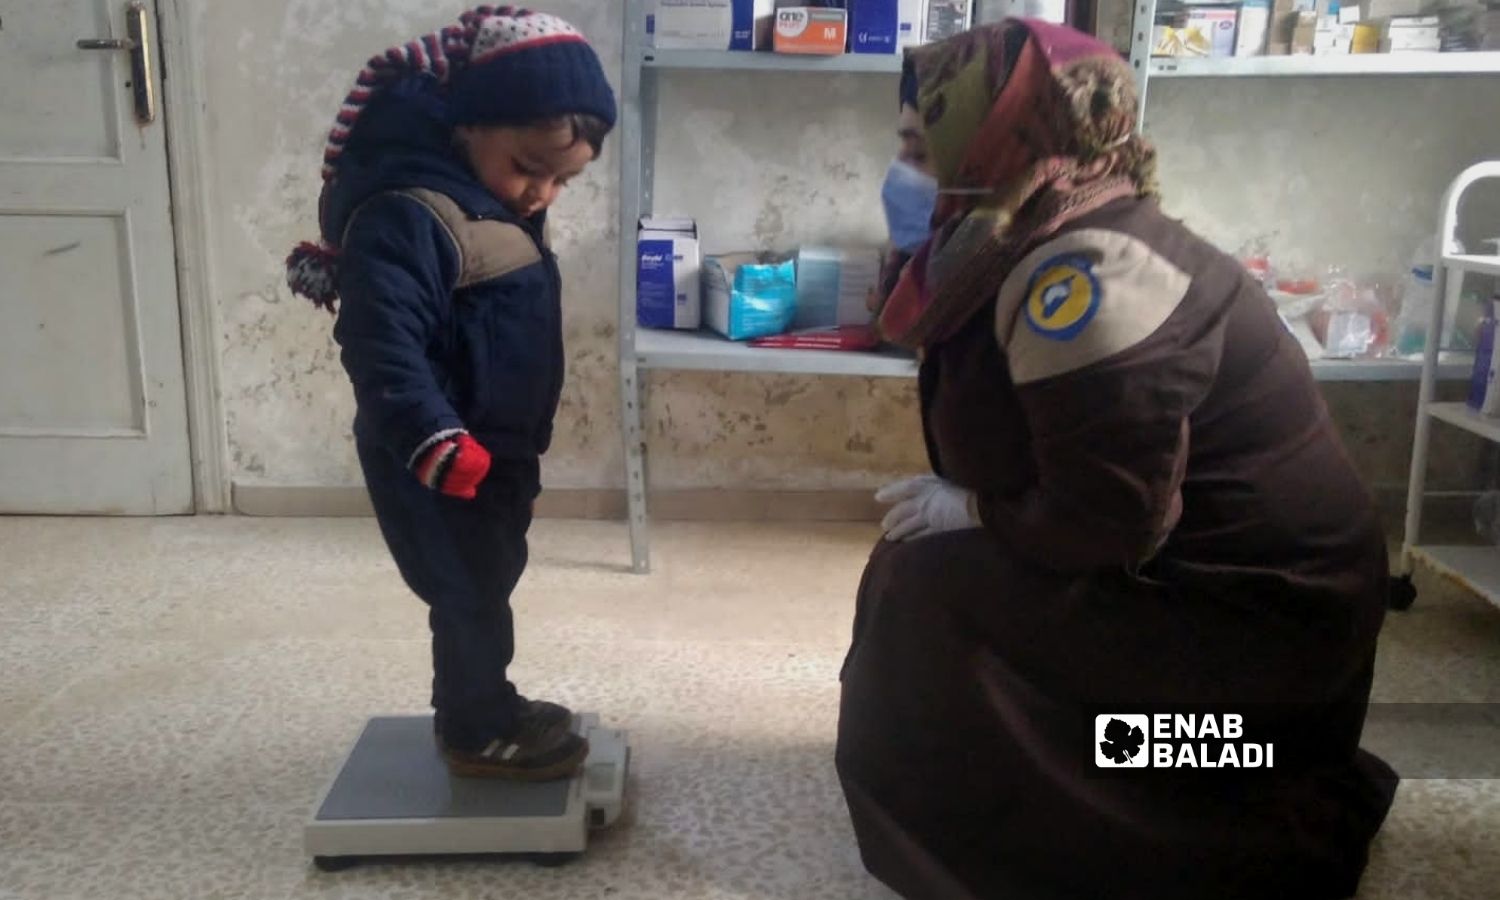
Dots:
(1338, 171)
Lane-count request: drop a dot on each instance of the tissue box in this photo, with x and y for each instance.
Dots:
(811, 30)
(749, 295)
(689, 24)
(710, 24)
(668, 278)
(1218, 24)
(752, 26)
(833, 284)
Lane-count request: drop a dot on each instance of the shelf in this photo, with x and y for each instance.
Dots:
(708, 352)
(1479, 265)
(1460, 415)
(705, 351)
(1476, 568)
(756, 60)
(1342, 64)
(1455, 367)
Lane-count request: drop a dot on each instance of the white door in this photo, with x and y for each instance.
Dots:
(93, 417)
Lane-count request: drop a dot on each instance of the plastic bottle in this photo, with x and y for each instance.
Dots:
(1417, 297)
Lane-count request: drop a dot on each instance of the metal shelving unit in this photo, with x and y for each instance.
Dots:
(1476, 567)
(642, 350)
(1328, 65)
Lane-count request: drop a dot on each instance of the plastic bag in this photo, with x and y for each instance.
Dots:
(1353, 321)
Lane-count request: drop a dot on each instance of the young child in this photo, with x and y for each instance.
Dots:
(437, 179)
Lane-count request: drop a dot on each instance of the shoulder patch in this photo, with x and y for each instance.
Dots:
(1062, 297)
(486, 249)
(1082, 298)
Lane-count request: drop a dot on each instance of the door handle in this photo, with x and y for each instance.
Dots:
(105, 44)
(138, 45)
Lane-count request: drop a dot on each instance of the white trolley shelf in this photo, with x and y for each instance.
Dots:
(642, 349)
(1476, 567)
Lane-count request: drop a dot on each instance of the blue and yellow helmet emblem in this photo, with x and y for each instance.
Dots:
(1062, 297)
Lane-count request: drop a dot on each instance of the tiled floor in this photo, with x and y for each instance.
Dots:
(174, 694)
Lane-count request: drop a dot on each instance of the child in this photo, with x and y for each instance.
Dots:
(437, 179)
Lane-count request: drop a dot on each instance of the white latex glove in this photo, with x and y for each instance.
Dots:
(924, 506)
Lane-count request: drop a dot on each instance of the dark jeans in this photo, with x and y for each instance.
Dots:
(463, 558)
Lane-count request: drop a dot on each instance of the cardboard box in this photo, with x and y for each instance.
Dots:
(1218, 24)
(910, 16)
(1390, 46)
(1390, 9)
(946, 18)
(833, 284)
(753, 23)
(1412, 37)
(1366, 39)
(1283, 23)
(987, 12)
(668, 277)
(811, 30)
(1304, 32)
(1255, 28)
(689, 24)
(885, 26)
(749, 295)
(1112, 24)
(874, 26)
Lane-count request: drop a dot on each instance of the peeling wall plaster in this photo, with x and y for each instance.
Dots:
(1345, 170)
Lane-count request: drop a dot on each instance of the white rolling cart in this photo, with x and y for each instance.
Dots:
(1474, 566)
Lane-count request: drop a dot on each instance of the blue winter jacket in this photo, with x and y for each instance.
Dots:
(443, 324)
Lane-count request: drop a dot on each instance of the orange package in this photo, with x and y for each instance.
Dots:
(815, 30)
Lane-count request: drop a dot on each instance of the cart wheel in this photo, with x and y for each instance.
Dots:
(1402, 593)
(552, 860)
(335, 863)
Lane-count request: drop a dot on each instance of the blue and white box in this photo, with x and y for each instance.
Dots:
(753, 26)
(885, 26)
(834, 285)
(668, 280)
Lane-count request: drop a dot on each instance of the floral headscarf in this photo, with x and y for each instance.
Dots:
(1029, 125)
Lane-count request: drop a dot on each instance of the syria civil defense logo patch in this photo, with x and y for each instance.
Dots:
(1062, 297)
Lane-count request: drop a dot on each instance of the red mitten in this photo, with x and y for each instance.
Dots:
(454, 465)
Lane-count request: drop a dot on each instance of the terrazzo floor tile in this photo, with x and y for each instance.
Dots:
(129, 728)
(176, 694)
(145, 851)
(37, 669)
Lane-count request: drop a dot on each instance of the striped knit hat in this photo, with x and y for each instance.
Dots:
(499, 65)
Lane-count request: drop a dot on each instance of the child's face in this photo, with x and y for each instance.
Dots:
(527, 168)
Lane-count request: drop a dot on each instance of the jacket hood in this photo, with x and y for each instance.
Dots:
(404, 140)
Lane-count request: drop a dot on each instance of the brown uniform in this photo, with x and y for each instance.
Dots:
(1170, 518)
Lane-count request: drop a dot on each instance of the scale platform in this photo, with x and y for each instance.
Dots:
(393, 796)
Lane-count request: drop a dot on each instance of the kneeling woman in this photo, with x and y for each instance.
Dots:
(1139, 505)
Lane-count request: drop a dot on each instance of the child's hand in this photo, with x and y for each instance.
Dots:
(454, 466)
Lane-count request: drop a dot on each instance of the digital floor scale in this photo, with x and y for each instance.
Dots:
(393, 797)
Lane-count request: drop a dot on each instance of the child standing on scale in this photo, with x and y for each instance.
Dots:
(437, 179)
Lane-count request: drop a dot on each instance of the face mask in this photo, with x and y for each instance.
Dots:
(910, 195)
